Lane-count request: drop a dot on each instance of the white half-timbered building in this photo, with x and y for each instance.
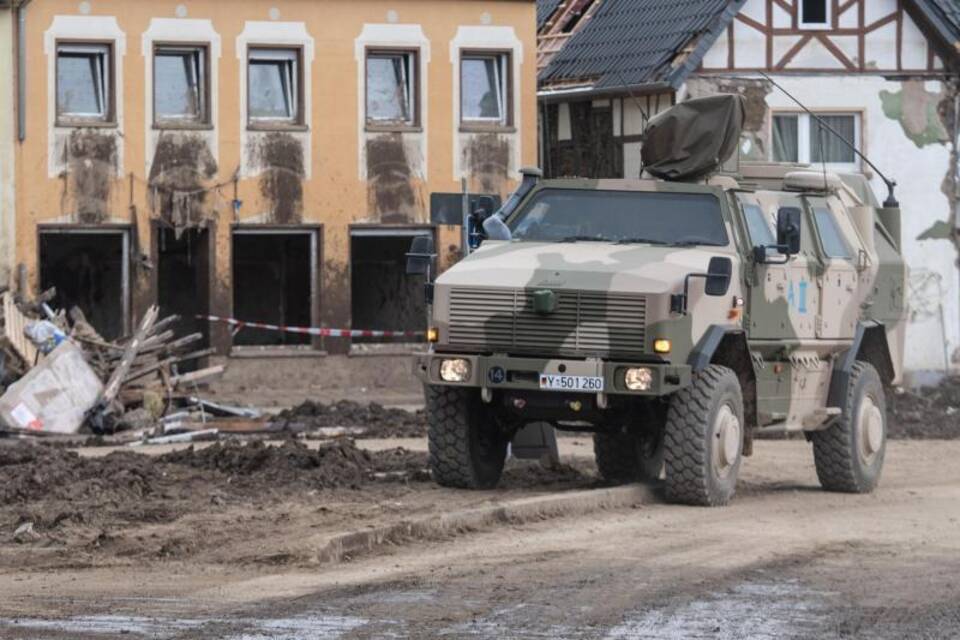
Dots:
(883, 73)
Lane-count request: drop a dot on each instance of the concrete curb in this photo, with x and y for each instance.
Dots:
(346, 545)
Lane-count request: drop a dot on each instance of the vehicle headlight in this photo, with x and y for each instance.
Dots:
(455, 370)
(638, 379)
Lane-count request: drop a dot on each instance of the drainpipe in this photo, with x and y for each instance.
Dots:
(20, 8)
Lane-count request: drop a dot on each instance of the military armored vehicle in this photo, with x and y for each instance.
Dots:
(675, 316)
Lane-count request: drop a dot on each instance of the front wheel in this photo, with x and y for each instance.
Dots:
(849, 454)
(703, 439)
(467, 447)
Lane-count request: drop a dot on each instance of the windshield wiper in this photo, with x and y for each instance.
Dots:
(640, 241)
(577, 238)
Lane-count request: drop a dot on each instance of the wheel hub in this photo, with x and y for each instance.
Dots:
(869, 429)
(726, 437)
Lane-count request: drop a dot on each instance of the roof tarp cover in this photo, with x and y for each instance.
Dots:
(693, 138)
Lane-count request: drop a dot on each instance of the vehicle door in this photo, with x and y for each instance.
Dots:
(839, 252)
(783, 300)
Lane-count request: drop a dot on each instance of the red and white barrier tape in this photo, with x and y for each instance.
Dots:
(314, 331)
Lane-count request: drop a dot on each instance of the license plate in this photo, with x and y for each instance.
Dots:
(570, 383)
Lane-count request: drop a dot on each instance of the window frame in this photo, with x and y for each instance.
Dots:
(504, 59)
(804, 123)
(803, 23)
(414, 89)
(203, 119)
(815, 210)
(106, 49)
(271, 123)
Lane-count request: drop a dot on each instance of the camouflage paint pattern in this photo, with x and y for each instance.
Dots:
(799, 317)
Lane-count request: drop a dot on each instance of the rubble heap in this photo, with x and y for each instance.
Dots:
(370, 420)
(58, 375)
(927, 413)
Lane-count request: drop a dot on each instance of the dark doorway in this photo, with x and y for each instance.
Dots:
(89, 270)
(273, 276)
(383, 296)
(183, 280)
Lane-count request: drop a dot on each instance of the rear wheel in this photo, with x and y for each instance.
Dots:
(849, 454)
(467, 447)
(703, 439)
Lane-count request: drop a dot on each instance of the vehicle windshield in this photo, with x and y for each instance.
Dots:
(668, 218)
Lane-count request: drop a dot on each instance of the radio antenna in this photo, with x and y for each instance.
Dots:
(891, 201)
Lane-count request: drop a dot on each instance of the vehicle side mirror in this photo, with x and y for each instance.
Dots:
(484, 207)
(719, 273)
(420, 257)
(788, 230)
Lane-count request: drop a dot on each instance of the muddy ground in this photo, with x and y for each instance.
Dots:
(929, 412)
(217, 503)
(377, 420)
(785, 560)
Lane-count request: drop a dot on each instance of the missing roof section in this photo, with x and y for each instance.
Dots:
(636, 44)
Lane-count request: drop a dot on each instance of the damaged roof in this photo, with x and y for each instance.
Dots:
(942, 18)
(655, 44)
(634, 43)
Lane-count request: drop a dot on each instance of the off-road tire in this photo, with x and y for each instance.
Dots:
(624, 456)
(467, 448)
(690, 445)
(836, 449)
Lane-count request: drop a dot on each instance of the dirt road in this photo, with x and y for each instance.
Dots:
(784, 561)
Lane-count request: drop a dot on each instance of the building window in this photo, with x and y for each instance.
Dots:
(800, 138)
(485, 89)
(273, 80)
(180, 85)
(84, 83)
(392, 88)
(814, 13)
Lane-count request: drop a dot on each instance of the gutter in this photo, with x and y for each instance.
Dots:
(562, 95)
(21, 17)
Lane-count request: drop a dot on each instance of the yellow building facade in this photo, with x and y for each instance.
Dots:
(266, 161)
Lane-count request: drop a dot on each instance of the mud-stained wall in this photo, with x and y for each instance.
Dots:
(328, 171)
(393, 169)
(182, 167)
(486, 157)
(90, 161)
(280, 158)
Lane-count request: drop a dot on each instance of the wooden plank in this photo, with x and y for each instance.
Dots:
(197, 376)
(116, 379)
(13, 324)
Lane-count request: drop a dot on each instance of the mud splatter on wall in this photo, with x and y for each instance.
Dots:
(281, 181)
(182, 163)
(487, 160)
(391, 196)
(91, 168)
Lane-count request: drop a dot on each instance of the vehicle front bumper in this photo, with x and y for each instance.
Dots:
(496, 372)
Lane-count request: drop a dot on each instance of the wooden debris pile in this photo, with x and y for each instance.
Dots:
(144, 377)
(142, 374)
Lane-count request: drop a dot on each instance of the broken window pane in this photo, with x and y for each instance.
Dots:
(82, 81)
(390, 87)
(273, 79)
(178, 81)
(483, 88)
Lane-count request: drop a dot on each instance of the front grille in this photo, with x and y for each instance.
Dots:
(583, 323)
